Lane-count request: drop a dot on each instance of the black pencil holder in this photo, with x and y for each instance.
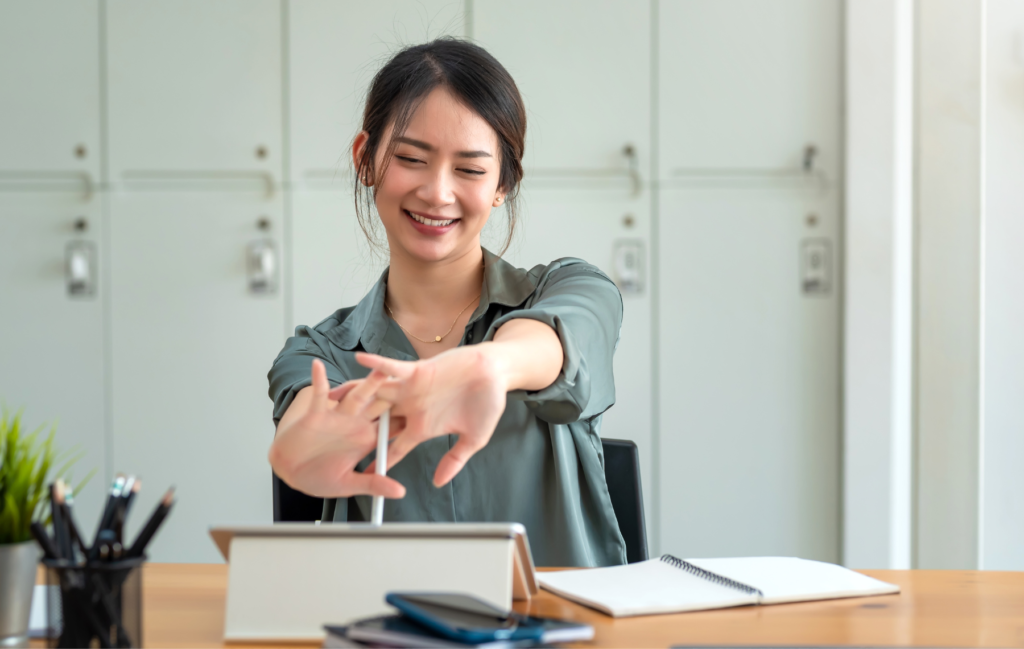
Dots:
(99, 601)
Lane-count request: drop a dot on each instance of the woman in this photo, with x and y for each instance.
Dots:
(497, 376)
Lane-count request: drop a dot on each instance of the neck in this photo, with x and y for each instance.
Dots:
(419, 287)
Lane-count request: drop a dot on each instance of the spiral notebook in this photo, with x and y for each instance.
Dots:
(671, 585)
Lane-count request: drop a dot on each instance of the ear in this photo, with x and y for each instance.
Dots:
(358, 146)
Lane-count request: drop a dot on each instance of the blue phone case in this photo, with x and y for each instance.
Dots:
(469, 636)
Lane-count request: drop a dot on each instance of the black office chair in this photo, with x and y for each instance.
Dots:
(621, 470)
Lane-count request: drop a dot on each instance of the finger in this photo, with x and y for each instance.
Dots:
(318, 374)
(391, 367)
(338, 393)
(455, 459)
(376, 409)
(392, 389)
(403, 444)
(363, 395)
(372, 484)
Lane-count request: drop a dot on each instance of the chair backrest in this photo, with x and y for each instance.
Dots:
(291, 506)
(621, 470)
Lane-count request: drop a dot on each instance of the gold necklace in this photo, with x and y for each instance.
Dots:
(436, 339)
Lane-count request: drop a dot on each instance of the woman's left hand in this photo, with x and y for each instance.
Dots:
(461, 391)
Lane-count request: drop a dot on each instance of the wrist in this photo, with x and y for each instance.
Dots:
(495, 367)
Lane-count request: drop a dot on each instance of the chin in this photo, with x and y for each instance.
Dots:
(432, 251)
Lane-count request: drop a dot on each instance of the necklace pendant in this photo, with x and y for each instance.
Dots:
(437, 339)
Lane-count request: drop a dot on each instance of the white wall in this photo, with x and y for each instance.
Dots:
(949, 221)
(1001, 543)
(878, 345)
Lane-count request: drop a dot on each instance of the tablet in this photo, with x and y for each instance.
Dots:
(525, 580)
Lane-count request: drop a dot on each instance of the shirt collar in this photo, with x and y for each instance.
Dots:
(504, 284)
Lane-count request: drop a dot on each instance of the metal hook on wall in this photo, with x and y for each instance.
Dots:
(634, 167)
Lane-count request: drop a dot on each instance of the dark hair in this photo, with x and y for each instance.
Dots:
(474, 78)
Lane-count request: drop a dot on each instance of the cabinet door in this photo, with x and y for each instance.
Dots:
(749, 378)
(194, 86)
(335, 48)
(52, 343)
(49, 94)
(749, 283)
(745, 85)
(191, 347)
(584, 72)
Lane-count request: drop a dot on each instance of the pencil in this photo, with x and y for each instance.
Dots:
(44, 540)
(152, 525)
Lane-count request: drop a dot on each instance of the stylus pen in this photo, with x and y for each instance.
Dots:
(383, 432)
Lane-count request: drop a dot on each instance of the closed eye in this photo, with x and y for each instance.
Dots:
(407, 159)
(475, 172)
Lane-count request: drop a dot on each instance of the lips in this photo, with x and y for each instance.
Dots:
(430, 225)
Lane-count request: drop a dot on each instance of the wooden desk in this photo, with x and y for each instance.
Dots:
(184, 607)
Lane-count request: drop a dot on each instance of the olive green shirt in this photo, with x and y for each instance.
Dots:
(544, 465)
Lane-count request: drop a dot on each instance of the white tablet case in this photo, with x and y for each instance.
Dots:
(286, 581)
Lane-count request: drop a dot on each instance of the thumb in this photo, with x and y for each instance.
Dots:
(455, 459)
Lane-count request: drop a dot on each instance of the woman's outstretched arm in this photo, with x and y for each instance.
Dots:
(463, 390)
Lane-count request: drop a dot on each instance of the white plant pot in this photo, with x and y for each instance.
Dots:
(18, 563)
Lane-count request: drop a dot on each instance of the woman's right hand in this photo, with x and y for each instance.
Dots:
(319, 441)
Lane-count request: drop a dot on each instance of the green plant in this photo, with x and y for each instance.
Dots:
(25, 476)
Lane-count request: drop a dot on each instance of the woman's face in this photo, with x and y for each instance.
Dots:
(440, 187)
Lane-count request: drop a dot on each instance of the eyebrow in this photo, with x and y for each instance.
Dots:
(420, 144)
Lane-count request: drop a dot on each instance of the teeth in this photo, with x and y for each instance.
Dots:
(430, 222)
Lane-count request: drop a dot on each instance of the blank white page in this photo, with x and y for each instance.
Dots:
(788, 579)
(643, 588)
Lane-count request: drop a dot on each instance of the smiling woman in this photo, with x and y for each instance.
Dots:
(499, 423)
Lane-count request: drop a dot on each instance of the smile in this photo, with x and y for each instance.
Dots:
(434, 223)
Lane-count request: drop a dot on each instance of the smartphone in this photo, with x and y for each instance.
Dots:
(465, 618)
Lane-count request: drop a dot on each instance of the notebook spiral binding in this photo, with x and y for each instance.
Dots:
(697, 571)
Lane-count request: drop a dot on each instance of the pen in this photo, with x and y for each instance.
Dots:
(154, 522)
(383, 432)
(108, 513)
(60, 533)
(131, 485)
(65, 500)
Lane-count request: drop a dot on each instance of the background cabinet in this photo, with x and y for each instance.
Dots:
(194, 87)
(52, 360)
(52, 347)
(586, 186)
(191, 346)
(702, 135)
(749, 351)
(49, 72)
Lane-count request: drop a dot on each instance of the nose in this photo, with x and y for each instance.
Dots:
(438, 188)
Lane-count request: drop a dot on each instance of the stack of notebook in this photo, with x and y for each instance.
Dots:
(399, 631)
(671, 585)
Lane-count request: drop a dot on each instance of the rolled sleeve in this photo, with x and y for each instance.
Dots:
(291, 370)
(584, 308)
